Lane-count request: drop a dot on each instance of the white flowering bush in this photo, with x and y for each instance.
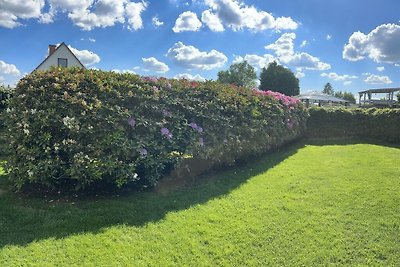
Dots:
(73, 128)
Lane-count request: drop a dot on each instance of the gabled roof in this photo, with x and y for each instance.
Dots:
(62, 44)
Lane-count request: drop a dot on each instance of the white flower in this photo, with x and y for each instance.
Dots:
(30, 173)
(8, 110)
(71, 123)
(26, 131)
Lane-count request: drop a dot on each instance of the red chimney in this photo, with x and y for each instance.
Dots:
(52, 48)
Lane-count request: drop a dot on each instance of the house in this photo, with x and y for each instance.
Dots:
(59, 56)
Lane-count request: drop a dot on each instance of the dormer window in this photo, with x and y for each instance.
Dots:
(62, 62)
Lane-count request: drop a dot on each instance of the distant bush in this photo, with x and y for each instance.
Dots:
(75, 128)
(6, 93)
(380, 124)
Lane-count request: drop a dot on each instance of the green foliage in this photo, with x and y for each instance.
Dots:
(73, 128)
(6, 93)
(380, 124)
(328, 89)
(240, 74)
(280, 79)
(346, 96)
(311, 205)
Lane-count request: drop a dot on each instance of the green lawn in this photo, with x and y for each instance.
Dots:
(305, 205)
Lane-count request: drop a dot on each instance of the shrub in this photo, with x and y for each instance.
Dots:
(380, 124)
(5, 95)
(76, 128)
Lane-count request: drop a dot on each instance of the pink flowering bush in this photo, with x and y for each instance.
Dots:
(74, 128)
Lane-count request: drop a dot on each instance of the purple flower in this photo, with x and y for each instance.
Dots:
(166, 133)
(151, 79)
(155, 88)
(290, 124)
(196, 127)
(201, 141)
(169, 86)
(166, 113)
(131, 122)
(193, 125)
(143, 152)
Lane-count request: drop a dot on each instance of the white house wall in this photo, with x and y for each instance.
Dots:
(61, 52)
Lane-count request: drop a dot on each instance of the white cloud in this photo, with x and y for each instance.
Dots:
(156, 21)
(397, 65)
(187, 21)
(133, 13)
(336, 77)
(12, 11)
(305, 61)
(347, 82)
(152, 64)
(258, 62)
(284, 46)
(239, 16)
(69, 5)
(85, 56)
(189, 76)
(92, 40)
(300, 74)
(285, 23)
(380, 45)
(124, 71)
(284, 49)
(380, 69)
(89, 14)
(328, 37)
(9, 74)
(376, 79)
(103, 13)
(303, 44)
(8, 69)
(212, 21)
(192, 58)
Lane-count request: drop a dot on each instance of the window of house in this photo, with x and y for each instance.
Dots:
(62, 62)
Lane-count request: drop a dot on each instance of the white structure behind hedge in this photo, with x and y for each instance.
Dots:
(60, 56)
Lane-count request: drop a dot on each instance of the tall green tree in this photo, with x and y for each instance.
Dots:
(239, 74)
(328, 89)
(279, 79)
(346, 96)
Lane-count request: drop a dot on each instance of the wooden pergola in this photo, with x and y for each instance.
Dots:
(366, 97)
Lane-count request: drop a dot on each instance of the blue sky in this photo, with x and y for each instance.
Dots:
(353, 45)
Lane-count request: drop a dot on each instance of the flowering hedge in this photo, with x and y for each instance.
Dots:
(76, 128)
(380, 124)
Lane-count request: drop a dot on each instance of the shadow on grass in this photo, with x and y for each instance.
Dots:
(24, 220)
(347, 141)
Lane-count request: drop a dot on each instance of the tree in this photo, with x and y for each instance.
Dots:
(346, 96)
(280, 79)
(328, 89)
(239, 74)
